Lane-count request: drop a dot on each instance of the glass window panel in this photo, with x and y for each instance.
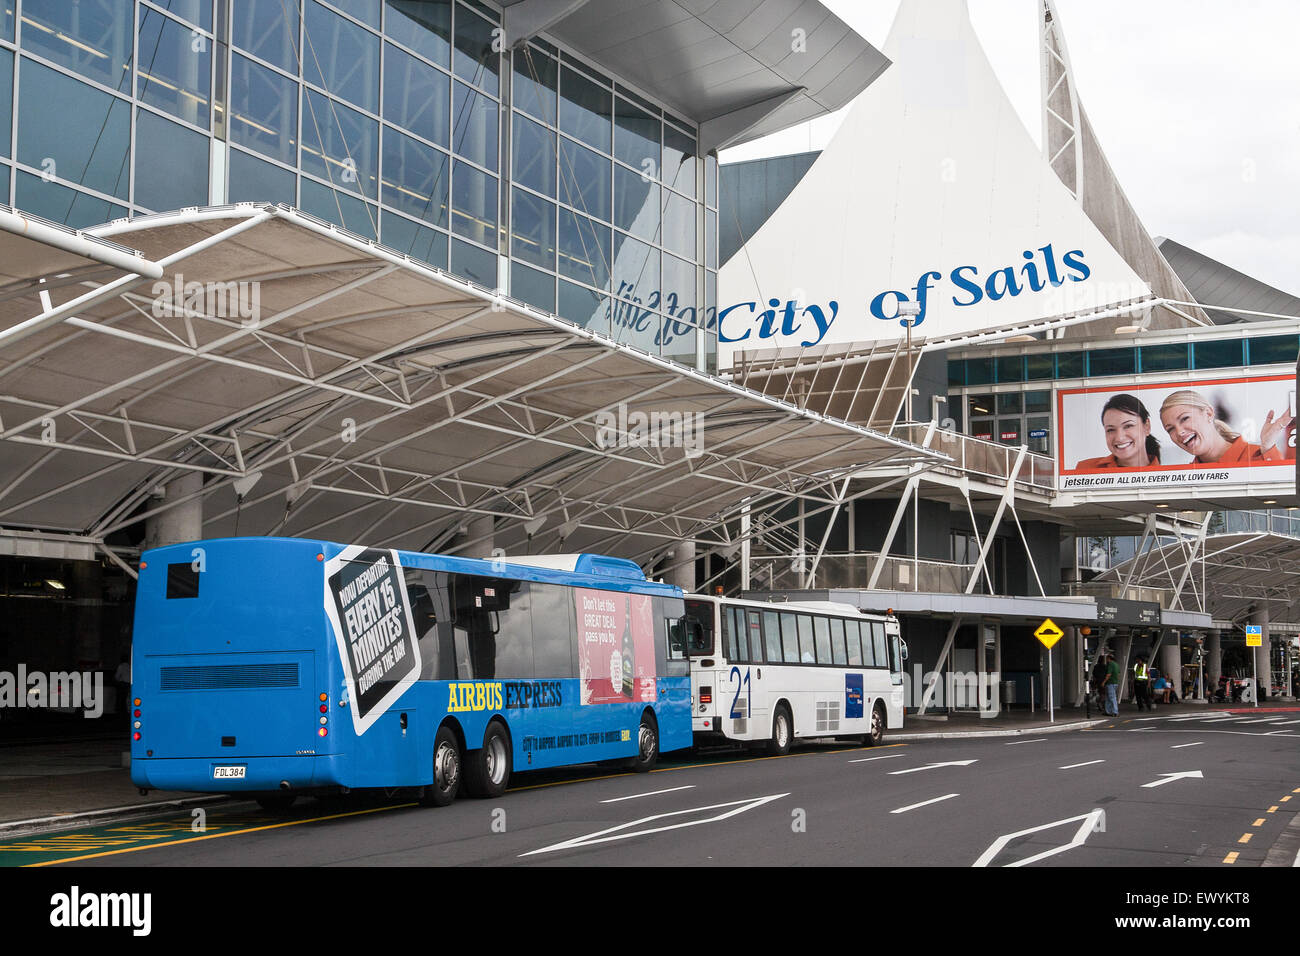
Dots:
(979, 371)
(474, 132)
(417, 96)
(475, 61)
(533, 224)
(1069, 365)
(1038, 366)
(982, 429)
(415, 178)
(531, 286)
(1010, 403)
(4, 183)
(195, 11)
(1224, 353)
(584, 307)
(254, 180)
(978, 405)
(171, 164)
(584, 179)
(1038, 401)
(1040, 426)
(1172, 356)
(636, 137)
(90, 145)
(533, 162)
(711, 239)
(6, 102)
(586, 109)
(789, 640)
(535, 76)
(733, 633)
(868, 651)
(755, 637)
(806, 653)
(1272, 349)
(711, 181)
(636, 270)
(956, 372)
(881, 644)
(367, 11)
(553, 614)
(679, 161)
(7, 24)
(412, 239)
(340, 208)
(61, 204)
(474, 205)
(679, 225)
(636, 326)
(771, 636)
(1010, 368)
(711, 300)
(839, 653)
(584, 249)
(340, 145)
(475, 264)
(822, 631)
(679, 342)
(422, 25)
(263, 110)
(90, 37)
(268, 29)
(1112, 362)
(172, 74)
(678, 288)
(636, 204)
(854, 643)
(341, 57)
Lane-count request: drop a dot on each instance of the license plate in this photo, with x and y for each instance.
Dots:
(229, 773)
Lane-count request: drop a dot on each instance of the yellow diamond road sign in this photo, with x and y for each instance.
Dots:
(1049, 633)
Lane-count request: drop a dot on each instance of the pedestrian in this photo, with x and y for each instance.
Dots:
(1142, 683)
(1112, 686)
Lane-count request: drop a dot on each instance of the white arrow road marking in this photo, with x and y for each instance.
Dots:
(1258, 720)
(652, 793)
(1171, 777)
(869, 759)
(1283, 723)
(932, 766)
(926, 803)
(1073, 765)
(1180, 746)
(1094, 822)
(615, 833)
(1036, 740)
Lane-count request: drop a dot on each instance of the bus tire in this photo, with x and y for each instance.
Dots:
(487, 770)
(782, 732)
(647, 745)
(877, 735)
(276, 802)
(447, 769)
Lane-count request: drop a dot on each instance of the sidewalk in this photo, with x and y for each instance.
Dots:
(48, 783)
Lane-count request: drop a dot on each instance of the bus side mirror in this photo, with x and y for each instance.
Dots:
(902, 648)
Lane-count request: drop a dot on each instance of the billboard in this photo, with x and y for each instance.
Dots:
(616, 646)
(1180, 436)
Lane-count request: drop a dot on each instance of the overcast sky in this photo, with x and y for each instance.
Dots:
(1196, 104)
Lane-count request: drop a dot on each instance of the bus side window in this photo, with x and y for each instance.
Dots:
(737, 644)
(868, 649)
(771, 636)
(806, 655)
(822, 631)
(837, 641)
(678, 629)
(881, 643)
(755, 630)
(789, 638)
(854, 639)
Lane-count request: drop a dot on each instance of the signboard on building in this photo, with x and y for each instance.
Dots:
(1186, 437)
(1116, 611)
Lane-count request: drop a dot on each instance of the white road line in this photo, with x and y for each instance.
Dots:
(1180, 746)
(1283, 723)
(652, 793)
(926, 803)
(933, 766)
(1258, 720)
(1088, 763)
(869, 759)
(1171, 777)
(1094, 822)
(1036, 740)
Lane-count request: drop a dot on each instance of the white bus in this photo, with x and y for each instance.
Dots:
(773, 673)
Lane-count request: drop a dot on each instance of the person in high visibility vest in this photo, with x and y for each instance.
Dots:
(1142, 683)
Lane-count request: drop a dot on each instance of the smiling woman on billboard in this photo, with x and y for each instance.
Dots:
(1127, 425)
(1193, 426)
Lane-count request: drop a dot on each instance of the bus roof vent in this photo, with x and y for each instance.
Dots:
(596, 564)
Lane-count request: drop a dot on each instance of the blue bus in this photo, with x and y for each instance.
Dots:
(274, 667)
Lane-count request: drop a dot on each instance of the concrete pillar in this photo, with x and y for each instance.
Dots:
(1071, 668)
(683, 575)
(478, 538)
(1213, 661)
(1262, 674)
(184, 522)
(88, 594)
(1171, 661)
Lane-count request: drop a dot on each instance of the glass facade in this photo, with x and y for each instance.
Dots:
(403, 121)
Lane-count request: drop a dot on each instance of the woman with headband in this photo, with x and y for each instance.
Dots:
(1191, 423)
(1128, 436)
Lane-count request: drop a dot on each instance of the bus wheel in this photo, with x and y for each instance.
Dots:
(487, 770)
(647, 754)
(446, 769)
(877, 735)
(276, 802)
(782, 732)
